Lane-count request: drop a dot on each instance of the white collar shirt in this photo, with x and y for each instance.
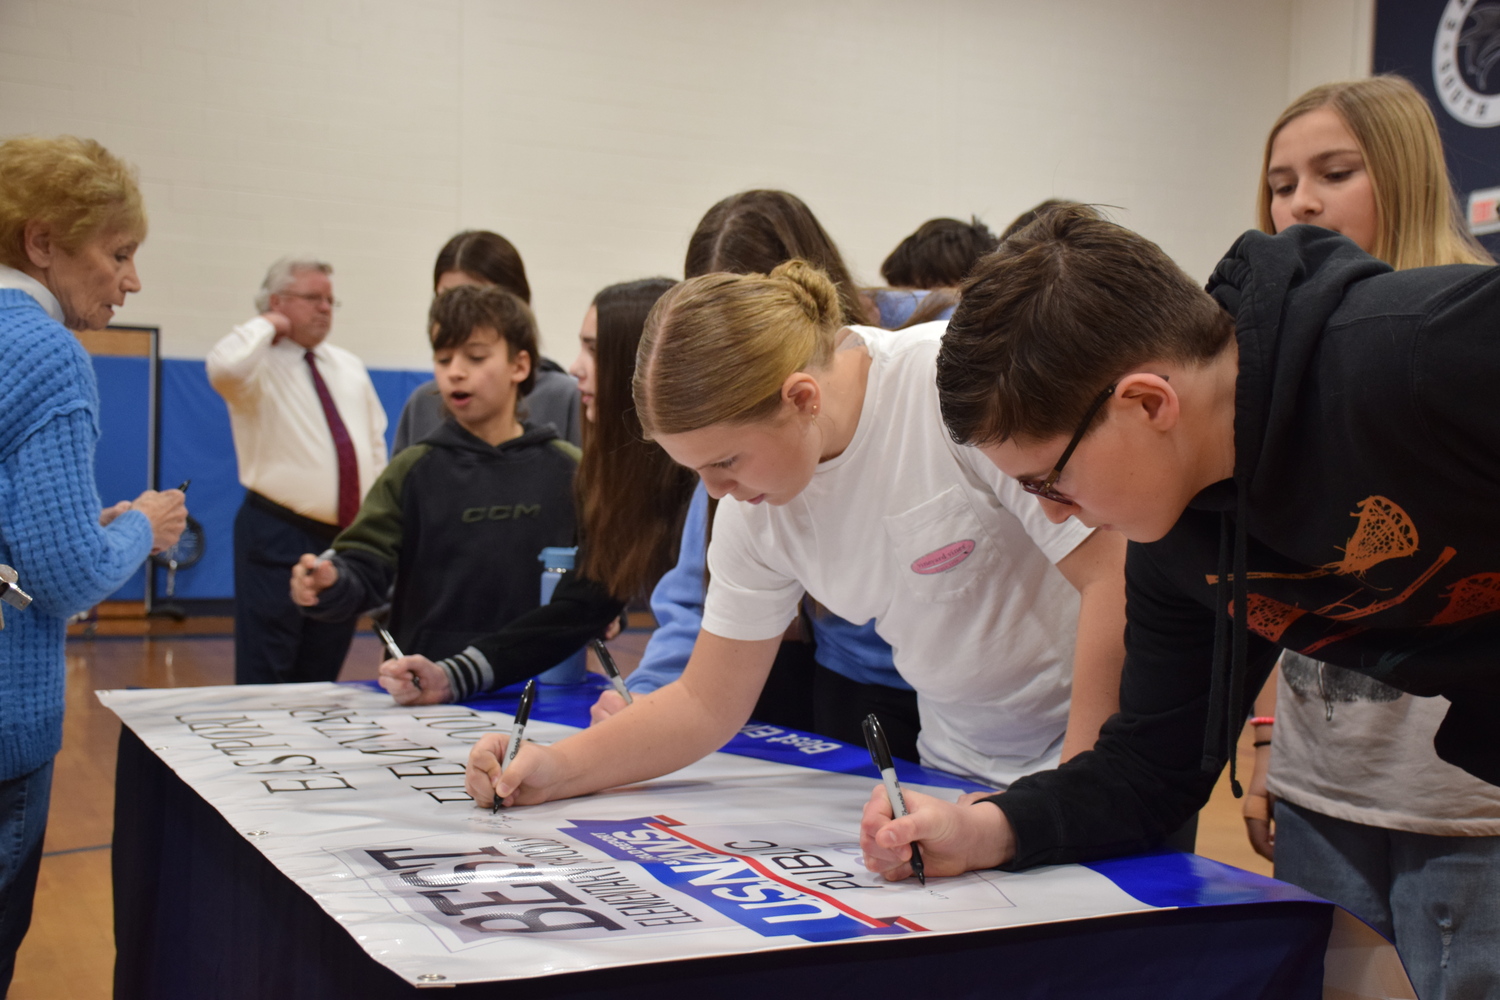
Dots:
(21, 281)
(281, 436)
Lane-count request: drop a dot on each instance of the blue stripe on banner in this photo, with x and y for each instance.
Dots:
(747, 890)
(569, 706)
(1170, 878)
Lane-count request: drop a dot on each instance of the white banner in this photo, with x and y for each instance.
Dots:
(361, 803)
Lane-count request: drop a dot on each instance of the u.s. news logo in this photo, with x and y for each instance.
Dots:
(775, 889)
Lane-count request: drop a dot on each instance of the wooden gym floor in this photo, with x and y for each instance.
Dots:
(69, 952)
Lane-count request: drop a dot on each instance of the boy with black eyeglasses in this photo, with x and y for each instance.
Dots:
(1303, 458)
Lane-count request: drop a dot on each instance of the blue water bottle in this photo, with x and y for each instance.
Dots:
(557, 560)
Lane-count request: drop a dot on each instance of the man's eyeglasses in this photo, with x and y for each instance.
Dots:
(313, 298)
(1046, 488)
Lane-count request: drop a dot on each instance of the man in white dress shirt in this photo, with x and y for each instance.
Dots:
(309, 433)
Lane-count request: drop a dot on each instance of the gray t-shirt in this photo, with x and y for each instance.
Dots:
(552, 400)
(1350, 747)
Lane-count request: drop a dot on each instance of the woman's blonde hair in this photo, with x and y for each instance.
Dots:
(76, 185)
(717, 348)
(1418, 220)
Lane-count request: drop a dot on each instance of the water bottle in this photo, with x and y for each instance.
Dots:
(557, 560)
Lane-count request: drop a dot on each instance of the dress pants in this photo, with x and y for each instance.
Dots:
(274, 642)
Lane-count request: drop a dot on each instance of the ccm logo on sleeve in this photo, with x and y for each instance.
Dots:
(943, 559)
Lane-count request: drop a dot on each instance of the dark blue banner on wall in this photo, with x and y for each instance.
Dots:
(1451, 50)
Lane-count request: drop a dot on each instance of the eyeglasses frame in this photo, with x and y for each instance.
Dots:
(1046, 489)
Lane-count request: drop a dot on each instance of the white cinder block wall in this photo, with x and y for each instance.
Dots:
(595, 133)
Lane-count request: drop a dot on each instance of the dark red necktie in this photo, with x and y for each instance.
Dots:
(348, 466)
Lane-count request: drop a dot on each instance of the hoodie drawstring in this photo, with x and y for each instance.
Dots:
(1240, 653)
(1226, 696)
(1213, 730)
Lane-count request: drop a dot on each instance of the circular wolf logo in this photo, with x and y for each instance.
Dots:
(1466, 62)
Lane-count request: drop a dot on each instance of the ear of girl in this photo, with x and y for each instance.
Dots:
(758, 431)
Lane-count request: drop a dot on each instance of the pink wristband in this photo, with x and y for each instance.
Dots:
(1263, 720)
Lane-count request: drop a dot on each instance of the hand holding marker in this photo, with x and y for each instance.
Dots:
(517, 734)
(880, 754)
(611, 671)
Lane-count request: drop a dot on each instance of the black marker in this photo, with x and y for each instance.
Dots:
(185, 484)
(880, 755)
(517, 733)
(611, 671)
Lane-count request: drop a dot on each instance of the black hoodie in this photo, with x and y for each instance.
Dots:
(458, 525)
(1356, 529)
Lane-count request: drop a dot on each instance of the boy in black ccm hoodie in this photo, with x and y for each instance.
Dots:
(458, 519)
(1314, 443)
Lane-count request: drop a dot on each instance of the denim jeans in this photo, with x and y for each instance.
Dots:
(1436, 898)
(23, 821)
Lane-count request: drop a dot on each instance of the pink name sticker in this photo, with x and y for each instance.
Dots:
(943, 559)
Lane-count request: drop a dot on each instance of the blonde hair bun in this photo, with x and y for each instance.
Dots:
(813, 291)
(717, 348)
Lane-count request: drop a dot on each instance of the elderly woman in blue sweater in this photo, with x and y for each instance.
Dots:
(70, 222)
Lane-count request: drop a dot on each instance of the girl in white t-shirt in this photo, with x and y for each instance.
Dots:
(839, 480)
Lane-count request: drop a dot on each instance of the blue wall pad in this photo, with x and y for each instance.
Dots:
(196, 444)
(124, 437)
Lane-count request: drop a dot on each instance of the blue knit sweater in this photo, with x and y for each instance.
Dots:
(49, 522)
